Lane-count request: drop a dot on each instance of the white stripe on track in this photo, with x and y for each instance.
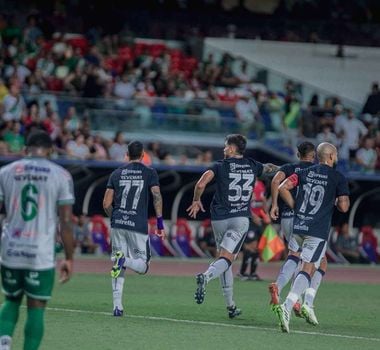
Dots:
(217, 324)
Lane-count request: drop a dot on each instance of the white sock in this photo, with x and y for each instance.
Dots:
(227, 283)
(117, 292)
(301, 283)
(216, 269)
(137, 265)
(287, 272)
(311, 292)
(5, 342)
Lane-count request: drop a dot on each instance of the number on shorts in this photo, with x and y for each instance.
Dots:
(128, 184)
(241, 192)
(314, 197)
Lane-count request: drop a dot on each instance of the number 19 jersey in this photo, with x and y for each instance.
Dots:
(31, 189)
(318, 188)
(235, 178)
(131, 184)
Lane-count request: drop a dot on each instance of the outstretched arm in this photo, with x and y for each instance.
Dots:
(198, 191)
(276, 181)
(157, 203)
(269, 169)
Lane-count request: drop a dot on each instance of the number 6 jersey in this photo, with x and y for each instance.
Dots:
(131, 184)
(31, 190)
(318, 188)
(235, 178)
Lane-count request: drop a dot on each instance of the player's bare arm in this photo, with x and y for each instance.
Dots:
(276, 181)
(108, 200)
(157, 203)
(65, 218)
(343, 203)
(197, 205)
(286, 187)
(270, 168)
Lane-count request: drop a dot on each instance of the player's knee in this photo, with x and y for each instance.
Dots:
(323, 265)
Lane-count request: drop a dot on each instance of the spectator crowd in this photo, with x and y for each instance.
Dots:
(113, 67)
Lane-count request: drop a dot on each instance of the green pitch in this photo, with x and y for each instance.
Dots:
(163, 315)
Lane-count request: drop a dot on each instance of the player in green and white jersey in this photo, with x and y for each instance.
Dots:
(33, 190)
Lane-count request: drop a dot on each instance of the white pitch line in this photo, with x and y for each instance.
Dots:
(207, 323)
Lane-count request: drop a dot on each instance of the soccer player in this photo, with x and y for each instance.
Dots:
(126, 201)
(320, 189)
(230, 211)
(306, 155)
(33, 189)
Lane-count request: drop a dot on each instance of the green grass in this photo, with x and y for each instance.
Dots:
(342, 309)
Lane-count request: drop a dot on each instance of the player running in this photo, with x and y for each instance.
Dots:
(230, 211)
(126, 201)
(33, 189)
(320, 188)
(306, 155)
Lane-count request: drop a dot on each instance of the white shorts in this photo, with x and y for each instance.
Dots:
(133, 244)
(313, 248)
(230, 233)
(287, 234)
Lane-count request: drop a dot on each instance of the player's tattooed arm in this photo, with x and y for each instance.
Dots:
(157, 200)
(107, 201)
(270, 168)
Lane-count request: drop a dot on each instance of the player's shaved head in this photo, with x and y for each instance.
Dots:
(325, 150)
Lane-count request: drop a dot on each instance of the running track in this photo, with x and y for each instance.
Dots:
(175, 267)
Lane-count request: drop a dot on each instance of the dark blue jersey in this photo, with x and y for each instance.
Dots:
(318, 188)
(132, 184)
(235, 178)
(289, 169)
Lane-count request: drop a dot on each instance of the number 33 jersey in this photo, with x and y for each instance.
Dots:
(318, 188)
(131, 184)
(31, 190)
(235, 178)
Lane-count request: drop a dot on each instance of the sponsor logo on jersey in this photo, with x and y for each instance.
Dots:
(125, 222)
(37, 168)
(139, 252)
(19, 168)
(20, 253)
(17, 233)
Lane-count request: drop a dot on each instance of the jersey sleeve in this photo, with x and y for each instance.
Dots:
(154, 181)
(342, 186)
(214, 168)
(111, 182)
(287, 169)
(259, 168)
(66, 189)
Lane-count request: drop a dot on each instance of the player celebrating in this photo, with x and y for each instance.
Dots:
(33, 189)
(230, 211)
(320, 188)
(126, 202)
(306, 154)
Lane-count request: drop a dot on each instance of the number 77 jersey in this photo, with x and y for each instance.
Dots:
(235, 179)
(318, 188)
(131, 184)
